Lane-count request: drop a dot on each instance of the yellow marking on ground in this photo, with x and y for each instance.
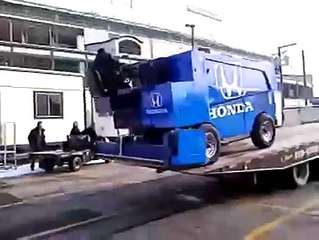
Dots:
(260, 232)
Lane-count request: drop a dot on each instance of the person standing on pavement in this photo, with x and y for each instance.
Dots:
(37, 142)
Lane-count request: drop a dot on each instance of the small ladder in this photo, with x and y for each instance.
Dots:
(8, 155)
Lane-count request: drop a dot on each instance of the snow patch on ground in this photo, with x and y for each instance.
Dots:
(20, 171)
(25, 170)
(100, 161)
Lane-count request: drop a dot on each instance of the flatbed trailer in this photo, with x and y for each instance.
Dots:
(49, 159)
(295, 147)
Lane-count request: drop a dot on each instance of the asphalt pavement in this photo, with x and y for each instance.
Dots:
(120, 202)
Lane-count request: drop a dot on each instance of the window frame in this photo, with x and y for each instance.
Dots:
(122, 46)
(47, 94)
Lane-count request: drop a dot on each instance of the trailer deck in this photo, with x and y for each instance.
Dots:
(293, 146)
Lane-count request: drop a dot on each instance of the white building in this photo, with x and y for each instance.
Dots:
(41, 76)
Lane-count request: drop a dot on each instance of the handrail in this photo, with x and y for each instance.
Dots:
(7, 152)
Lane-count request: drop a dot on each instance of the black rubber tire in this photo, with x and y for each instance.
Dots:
(75, 164)
(256, 136)
(295, 179)
(209, 129)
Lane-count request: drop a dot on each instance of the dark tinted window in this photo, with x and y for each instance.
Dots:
(129, 47)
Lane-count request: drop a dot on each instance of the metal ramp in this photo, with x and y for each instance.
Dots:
(8, 152)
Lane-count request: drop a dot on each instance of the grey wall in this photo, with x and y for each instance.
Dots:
(301, 115)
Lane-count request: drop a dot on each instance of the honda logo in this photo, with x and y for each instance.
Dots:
(155, 100)
(229, 82)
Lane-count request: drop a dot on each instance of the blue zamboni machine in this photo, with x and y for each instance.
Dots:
(180, 109)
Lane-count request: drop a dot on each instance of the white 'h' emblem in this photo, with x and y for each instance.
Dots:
(156, 100)
(229, 89)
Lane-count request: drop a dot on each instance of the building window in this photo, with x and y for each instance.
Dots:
(4, 59)
(48, 104)
(4, 30)
(129, 47)
(31, 61)
(290, 91)
(66, 37)
(37, 34)
(67, 65)
(18, 32)
(305, 92)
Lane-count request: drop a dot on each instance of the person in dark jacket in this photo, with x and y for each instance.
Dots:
(36, 140)
(109, 70)
(75, 129)
(90, 131)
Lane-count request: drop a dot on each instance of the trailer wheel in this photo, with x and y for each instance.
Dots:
(263, 132)
(213, 143)
(299, 175)
(75, 164)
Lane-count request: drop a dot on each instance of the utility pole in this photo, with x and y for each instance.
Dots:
(192, 27)
(304, 77)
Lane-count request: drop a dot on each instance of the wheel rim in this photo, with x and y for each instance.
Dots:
(211, 146)
(267, 131)
(77, 162)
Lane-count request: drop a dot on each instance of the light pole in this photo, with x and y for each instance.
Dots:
(304, 77)
(192, 27)
(279, 56)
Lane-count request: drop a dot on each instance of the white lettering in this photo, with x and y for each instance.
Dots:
(300, 154)
(312, 150)
(248, 107)
(222, 111)
(156, 111)
(229, 110)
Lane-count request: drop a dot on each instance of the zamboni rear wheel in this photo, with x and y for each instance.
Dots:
(75, 164)
(263, 132)
(213, 143)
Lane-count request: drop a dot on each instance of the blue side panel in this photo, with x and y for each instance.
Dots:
(261, 102)
(229, 125)
(175, 68)
(159, 152)
(157, 106)
(190, 104)
(107, 148)
(191, 148)
(181, 67)
(135, 150)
